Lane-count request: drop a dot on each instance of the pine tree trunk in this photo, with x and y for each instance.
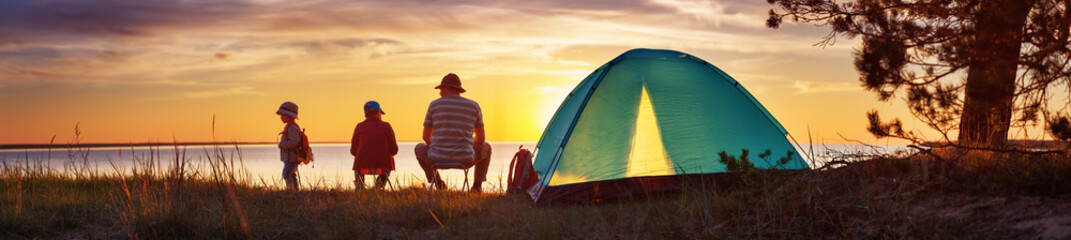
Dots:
(990, 88)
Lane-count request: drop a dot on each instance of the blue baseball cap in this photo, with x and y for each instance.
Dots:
(373, 105)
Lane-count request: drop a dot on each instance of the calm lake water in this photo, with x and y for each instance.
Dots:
(332, 167)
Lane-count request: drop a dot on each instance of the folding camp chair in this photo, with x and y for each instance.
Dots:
(443, 166)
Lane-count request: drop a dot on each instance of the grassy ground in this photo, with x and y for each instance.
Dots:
(883, 198)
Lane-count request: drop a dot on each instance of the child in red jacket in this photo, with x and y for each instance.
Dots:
(373, 147)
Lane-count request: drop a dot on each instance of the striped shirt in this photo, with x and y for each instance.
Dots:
(453, 117)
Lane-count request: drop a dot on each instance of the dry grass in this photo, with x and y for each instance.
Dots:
(878, 199)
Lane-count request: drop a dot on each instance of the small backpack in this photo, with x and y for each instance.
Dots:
(303, 150)
(521, 173)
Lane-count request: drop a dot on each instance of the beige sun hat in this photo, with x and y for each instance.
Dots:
(288, 108)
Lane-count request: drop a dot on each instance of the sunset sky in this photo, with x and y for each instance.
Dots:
(154, 70)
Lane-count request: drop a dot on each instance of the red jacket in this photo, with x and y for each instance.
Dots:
(373, 146)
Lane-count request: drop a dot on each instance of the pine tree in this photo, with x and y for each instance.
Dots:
(1013, 53)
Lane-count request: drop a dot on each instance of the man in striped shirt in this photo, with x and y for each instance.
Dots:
(449, 126)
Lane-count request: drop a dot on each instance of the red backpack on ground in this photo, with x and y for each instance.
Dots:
(521, 173)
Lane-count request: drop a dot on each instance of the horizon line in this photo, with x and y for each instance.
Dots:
(156, 144)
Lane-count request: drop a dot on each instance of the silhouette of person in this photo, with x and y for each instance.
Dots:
(373, 147)
(289, 143)
(449, 128)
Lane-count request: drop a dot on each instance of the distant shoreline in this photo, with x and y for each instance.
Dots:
(162, 144)
(143, 144)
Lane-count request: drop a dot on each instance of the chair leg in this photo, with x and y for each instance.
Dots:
(438, 178)
(435, 181)
(466, 185)
(358, 181)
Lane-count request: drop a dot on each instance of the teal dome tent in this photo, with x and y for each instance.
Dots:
(644, 120)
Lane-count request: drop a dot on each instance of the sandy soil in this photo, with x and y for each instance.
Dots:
(1027, 216)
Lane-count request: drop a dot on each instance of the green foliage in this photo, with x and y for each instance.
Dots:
(744, 164)
(785, 159)
(734, 164)
(1060, 127)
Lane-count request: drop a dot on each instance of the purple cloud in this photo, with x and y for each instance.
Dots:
(107, 18)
